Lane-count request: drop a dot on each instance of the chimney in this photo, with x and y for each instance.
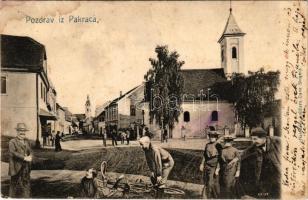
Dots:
(120, 93)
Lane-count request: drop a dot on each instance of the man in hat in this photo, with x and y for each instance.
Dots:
(229, 168)
(261, 164)
(20, 164)
(210, 166)
(159, 161)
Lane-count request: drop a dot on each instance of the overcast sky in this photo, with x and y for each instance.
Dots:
(101, 59)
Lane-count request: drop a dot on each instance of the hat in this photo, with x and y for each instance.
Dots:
(21, 127)
(213, 134)
(259, 132)
(229, 137)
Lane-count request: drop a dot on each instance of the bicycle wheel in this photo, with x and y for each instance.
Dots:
(174, 191)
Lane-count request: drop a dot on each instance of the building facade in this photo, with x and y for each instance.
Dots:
(25, 87)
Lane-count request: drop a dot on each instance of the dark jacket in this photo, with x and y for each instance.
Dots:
(260, 170)
(18, 151)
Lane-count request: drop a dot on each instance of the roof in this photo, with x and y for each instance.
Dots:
(231, 28)
(113, 102)
(22, 53)
(80, 116)
(196, 80)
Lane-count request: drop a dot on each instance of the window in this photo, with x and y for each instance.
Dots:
(3, 85)
(215, 116)
(132, 110)
(222, 55)
(234, 53)
(42, 92)
(186, 116)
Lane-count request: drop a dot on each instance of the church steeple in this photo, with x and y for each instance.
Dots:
(231, 43)
(88, 107)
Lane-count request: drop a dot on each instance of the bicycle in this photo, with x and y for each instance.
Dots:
(154, 190)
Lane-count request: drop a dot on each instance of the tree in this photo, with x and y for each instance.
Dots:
(166, 87)
(253, 96)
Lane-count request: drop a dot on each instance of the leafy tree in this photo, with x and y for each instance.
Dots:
(253, 96)
(166, 85)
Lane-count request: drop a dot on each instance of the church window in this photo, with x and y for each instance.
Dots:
(222, 55)
(234, 53)
(214, 116)
(186, 116)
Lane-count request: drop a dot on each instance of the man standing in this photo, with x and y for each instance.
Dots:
(20, 164)
(104, 137)
(159, 161)
(261, 164)
(114, 137)
(229, 169)
(210, 167)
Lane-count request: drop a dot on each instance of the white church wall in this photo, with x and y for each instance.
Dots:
(200, 118)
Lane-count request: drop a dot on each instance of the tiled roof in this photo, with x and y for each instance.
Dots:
(22, 53)
(196, 80)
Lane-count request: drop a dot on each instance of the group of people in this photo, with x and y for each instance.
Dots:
(253, 173)
(53, 139)
(227, 172)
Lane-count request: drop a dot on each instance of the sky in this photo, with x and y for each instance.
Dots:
(101, 59)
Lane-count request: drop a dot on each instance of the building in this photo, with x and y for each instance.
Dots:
(88, 126)
(26, 93)
(232, 47)
(78, 121)
(201, 107)
(99, 119)
(60, 123)
(126, 111)
(68, 121)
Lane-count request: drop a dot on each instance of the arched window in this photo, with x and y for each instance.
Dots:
(222, 55)
(215, 116)
(186, 116)
(234, 53)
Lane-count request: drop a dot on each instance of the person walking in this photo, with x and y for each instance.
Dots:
(165, 135)
(127, 136)
(104, 134)
(114, 137)
(229, 169)
(20, 158)
(57, 142)
(210, 167)
(123, 136)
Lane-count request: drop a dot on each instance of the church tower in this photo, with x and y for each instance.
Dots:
(88, 107)
(232, 47)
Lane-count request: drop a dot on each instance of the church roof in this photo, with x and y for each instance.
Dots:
(197, 80)
(231, 28)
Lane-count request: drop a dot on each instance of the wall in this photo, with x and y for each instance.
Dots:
(19, 104)
(200, 118)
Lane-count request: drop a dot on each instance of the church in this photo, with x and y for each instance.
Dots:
(202, 108)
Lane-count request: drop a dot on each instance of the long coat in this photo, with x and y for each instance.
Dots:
(260, 170)
(18, 150)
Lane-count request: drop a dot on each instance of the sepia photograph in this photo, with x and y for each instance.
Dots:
(154, 99)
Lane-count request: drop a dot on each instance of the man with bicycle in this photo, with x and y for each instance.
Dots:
(159, 161)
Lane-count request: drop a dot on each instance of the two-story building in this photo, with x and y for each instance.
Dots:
(126, 111)
(25, 87)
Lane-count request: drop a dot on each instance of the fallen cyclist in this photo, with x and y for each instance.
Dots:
(159, 161)
(93, 187)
